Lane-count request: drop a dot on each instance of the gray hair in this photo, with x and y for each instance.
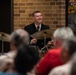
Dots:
(63, 33)
(70, 44)
(20, 36)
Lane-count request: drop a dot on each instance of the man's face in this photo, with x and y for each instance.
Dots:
(38, 17)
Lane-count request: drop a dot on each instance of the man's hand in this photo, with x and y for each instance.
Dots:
(33, 41)
(49, 43)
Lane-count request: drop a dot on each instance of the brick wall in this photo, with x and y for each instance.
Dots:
(72, 0)
(53, 12)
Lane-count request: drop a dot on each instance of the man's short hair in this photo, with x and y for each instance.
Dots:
(35, 12)
(70, 44)
(20, 36)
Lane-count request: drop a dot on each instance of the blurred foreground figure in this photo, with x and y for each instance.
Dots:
(73, 67)
(68, 49)
(52, 57)
(17, 38)
(25, 60)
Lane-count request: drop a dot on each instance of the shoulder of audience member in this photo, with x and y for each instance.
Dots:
(3, 57)
(54, 71)
(59, 70)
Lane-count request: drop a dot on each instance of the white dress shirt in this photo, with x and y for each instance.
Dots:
(37, 26)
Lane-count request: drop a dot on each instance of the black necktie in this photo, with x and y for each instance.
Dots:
(37, 28)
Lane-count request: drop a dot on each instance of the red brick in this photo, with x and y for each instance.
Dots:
(22, 4)
(58, 26)
(45, 18)
(21, 11)
(48, 7)
(61, 7)
(40, 7)
(29, 4)
(16, 4)
(21, 25)
(30, 15)
(52, 26)
(55, 22)
(48, 0)
(60, 3)
(37, 4)
(48, 22)
(52, 3)
(59, 18)
(24, 0)
(16, 7)
(28, 18)
(55, 15)
(48, 14)
(24, 8)
(32, 7)
(52, 18)
(45, 3)
(55, 0)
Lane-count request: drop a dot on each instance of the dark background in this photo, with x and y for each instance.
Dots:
(6, 20)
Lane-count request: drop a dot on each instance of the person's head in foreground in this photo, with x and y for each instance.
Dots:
(60, 34)
(19, 37)
(68, 49)
(26, 59)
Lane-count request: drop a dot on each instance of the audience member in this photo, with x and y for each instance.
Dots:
(52, 57)
(17, 38)
(25, 60)
(36, 26)
(68, 49)
(73, 66)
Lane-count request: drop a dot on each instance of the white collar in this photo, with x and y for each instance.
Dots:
(39, 26)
